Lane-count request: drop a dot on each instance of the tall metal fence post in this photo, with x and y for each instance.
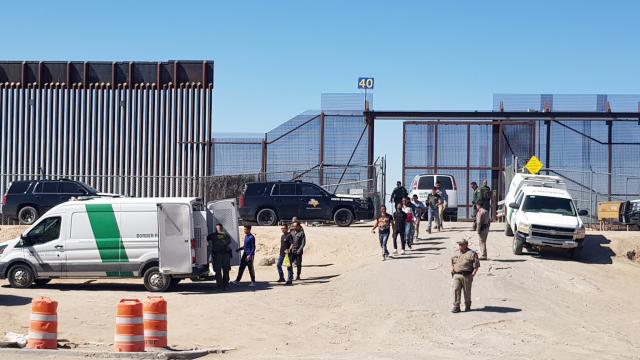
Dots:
(591, 207)
(263, 168)
(321, 157)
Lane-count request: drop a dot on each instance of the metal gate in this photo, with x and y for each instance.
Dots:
(468, 150)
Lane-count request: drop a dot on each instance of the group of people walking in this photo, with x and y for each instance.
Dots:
(405, 223)
(292, 243)
(407, 216)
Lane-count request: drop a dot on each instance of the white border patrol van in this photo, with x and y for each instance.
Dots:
(161, 240)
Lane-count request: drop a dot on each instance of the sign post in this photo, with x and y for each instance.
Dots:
(365, 83)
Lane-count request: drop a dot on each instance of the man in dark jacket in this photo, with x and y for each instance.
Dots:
(297, 247)
(247, 256)
(399, 225)
(398, 194)
(485, 196)
(286, 241)
(220, 242)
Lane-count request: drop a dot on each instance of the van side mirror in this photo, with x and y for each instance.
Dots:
(26, 241)
(583, 212)
(514, 205)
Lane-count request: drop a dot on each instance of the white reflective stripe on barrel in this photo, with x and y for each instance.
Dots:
(43, 336)
(129, 338)
(40, 317)
(154, 317)
(128, 320)
(155, 333)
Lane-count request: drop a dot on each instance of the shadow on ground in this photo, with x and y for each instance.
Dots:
(318, 265)
(14, 300)
(428, 248)
(498, 309)
(594, 252)
(405, 257)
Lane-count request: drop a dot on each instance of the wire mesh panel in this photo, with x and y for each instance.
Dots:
(236, 155)
(452, 145)
(419, 144)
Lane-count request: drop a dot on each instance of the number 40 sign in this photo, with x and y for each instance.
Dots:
(365, 83)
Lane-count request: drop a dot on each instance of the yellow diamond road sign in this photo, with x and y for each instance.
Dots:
(533, 165)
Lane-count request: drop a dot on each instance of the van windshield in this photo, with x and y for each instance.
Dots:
(547, 204)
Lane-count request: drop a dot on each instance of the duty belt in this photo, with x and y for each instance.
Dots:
(465, 273)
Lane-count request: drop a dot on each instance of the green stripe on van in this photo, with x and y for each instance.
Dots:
(106, 232)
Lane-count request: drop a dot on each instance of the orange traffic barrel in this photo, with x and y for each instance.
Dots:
(43, 330)
(155, 322)
(129, 327)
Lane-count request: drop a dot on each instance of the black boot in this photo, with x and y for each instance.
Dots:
(456, 309)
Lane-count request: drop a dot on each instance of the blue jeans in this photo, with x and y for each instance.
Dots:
(433, 215)
(408, 233)
(289, 269)
(383, 243)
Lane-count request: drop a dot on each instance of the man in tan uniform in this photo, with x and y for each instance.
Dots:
(464, 266)
(483, 220)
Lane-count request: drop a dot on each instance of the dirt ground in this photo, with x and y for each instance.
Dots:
(352, 305)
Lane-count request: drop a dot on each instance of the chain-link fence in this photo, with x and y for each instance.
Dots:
(350, 180)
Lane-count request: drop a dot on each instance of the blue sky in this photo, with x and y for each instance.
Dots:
(273, 59)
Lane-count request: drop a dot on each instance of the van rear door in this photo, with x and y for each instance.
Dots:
(174, 238)
(225, 212)
(448, 183)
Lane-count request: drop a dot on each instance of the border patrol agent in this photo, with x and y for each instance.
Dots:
(464, 266)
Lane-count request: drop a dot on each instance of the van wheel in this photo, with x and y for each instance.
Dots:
(267, 217)
(27, 215)
(40, 282)
(21, 276)
(343, 217)
(517, 245)
(507, 230)
(155, 281)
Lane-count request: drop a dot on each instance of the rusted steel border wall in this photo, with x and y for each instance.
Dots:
(106, 123)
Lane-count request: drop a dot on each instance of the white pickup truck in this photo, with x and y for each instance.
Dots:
(543, 214)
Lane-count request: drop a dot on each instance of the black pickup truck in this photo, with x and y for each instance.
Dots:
(268, 202)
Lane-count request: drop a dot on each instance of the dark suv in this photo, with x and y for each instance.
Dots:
(27, 200)
(267, 202)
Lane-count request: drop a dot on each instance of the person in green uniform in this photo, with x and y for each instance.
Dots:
(474, 201)
(220, 242)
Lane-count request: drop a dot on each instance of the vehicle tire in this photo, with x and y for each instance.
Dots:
(343, 217)
(517, 245)
(155, 281)
(27, 215)
(507, 230)
(21, 276)
(267, 217)
(40, 282)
